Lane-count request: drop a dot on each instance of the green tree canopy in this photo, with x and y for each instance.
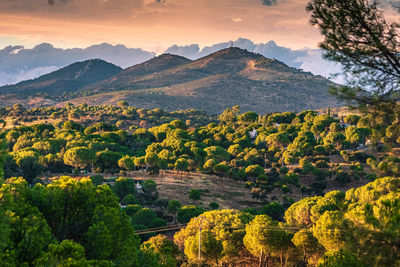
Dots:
(358, 36)
(79, 157)
(228, 226)
(166, 248)
(124, 186)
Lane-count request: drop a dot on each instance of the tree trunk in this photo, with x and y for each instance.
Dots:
(260, 263)
(286, 258)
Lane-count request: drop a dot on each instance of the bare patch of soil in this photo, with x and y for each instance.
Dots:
(227, 193)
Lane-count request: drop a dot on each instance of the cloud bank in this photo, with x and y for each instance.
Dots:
(306, 59)
(395, 4)
(18, 63)
(269, 49)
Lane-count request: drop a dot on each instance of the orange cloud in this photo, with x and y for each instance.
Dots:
(153, 23)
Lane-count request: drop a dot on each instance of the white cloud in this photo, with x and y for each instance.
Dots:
(314, 63)
(22, 74)
(307, 59)
(18, 63)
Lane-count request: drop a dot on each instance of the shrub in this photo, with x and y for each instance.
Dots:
(188, 212)
(285, 189)
(291, 178)
(97, 179)
(144, 216)
(124, 186)
(307, 168)
(342, 177)
(297, 170)
(252, 211)
(254, 170)
(321, 164)
(318, 187)
(213, 205)
(149, 186)
(273, 210)
(129, 200)
(157, 222)
(162, 203)
(195, 194)
(276, 165)
(150, 189)
(249, 184)
(284, 170)
(130, 210)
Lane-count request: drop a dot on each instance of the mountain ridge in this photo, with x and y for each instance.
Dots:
(75, 76)
(228, 77)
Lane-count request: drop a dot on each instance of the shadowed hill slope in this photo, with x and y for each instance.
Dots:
(69, 79)
(229, 77)
(226, 78)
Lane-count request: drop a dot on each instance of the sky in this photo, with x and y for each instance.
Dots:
(40, 36)
(154, 24)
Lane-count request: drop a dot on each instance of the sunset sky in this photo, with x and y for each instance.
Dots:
(192, 28)
(154, 24)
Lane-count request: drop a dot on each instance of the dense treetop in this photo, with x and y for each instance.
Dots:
(364, 230)
(277, 155)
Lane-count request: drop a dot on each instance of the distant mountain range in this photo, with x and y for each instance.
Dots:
(19, 63)
(229, 77)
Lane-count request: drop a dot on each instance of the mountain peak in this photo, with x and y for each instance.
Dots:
(229, 77)
(234, 53)
(70, 78)
(83, 70)
(156, 64)
(169, 56)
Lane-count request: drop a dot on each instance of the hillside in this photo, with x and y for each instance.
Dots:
(226, 78)
(192, 168)
(229, 77)
(69, 79)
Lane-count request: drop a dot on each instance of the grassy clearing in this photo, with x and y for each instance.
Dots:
(227, 193)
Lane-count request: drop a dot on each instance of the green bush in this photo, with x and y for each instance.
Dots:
(188, 212)
(249, 184)
(144, 216)
(195, 194)
(97, 179)
(273, 210)
(157, 222)
(342, 177)
(130, 210)
(284, 170)
(285, 189)
(129, 200)
(213, 205)
(321, 164)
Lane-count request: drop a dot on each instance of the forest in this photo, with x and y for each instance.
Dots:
(84, 185)
(79, 202)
